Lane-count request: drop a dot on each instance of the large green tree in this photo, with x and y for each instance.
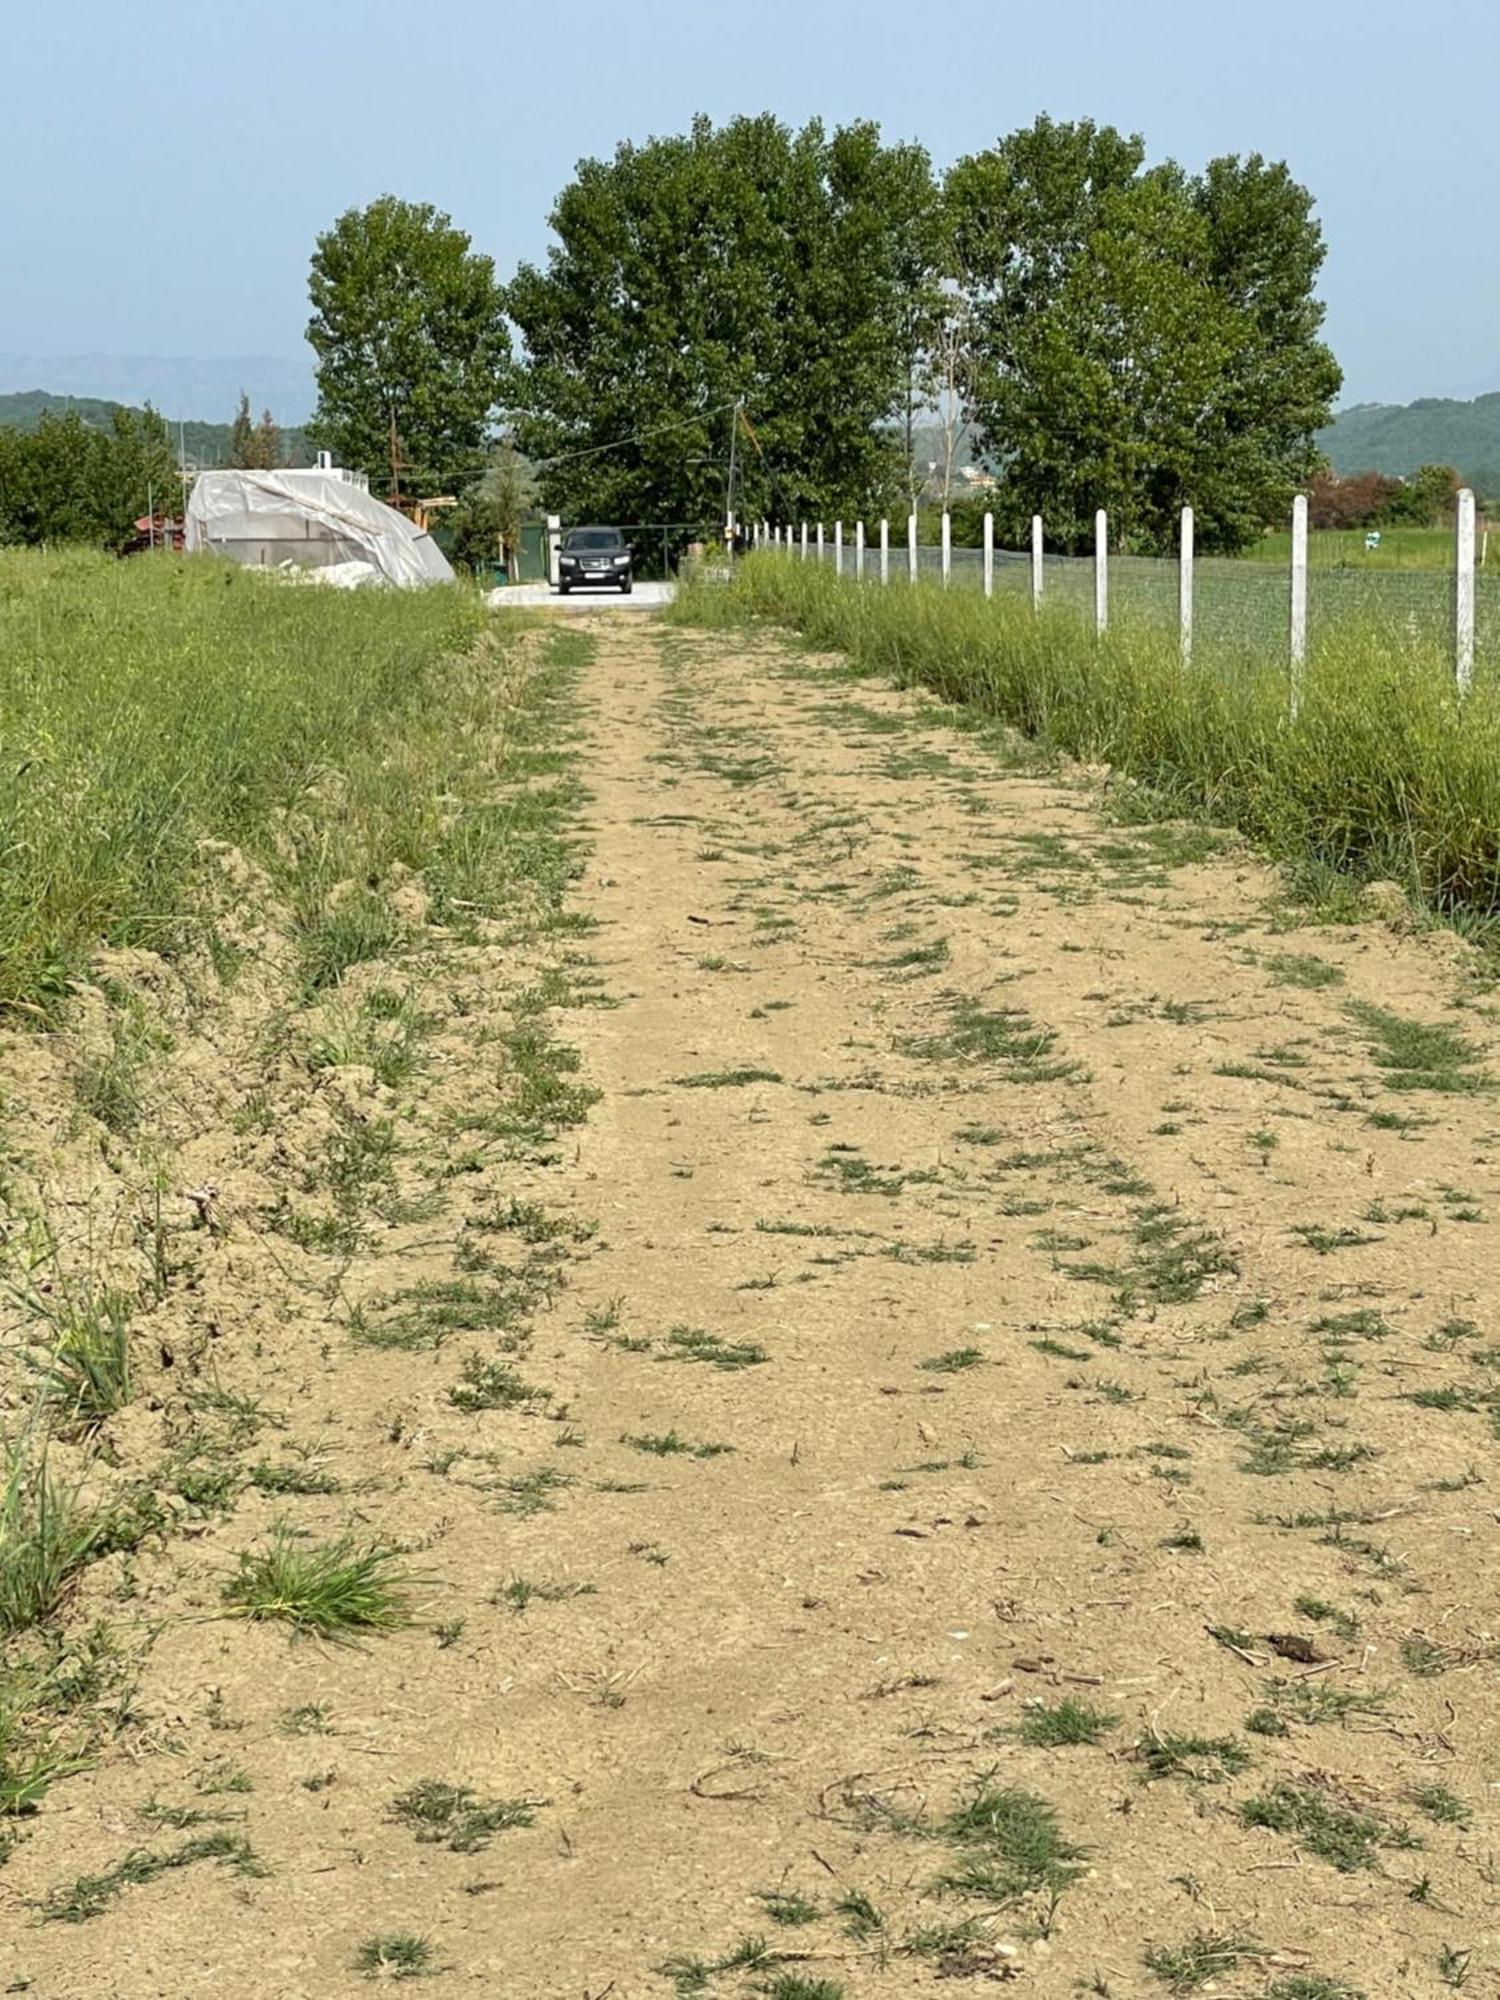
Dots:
(409, 330)
(745, 262)
(1142, 338)
(71, 481)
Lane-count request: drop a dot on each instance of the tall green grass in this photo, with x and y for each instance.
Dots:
(1386, 772)
(147, 705)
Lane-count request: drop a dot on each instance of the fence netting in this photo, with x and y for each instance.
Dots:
(1240, 606)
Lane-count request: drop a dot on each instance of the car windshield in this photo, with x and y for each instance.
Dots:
(594, 538)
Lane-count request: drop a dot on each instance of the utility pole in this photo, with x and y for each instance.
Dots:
(734, 434)
(395, 464)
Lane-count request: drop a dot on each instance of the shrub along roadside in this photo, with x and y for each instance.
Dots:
(1385, 774)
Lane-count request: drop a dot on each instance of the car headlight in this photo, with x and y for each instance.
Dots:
(622, 559)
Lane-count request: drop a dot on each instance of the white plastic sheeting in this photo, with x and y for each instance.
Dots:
(314, 519)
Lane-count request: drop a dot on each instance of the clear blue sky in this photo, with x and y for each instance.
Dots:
(170, 163)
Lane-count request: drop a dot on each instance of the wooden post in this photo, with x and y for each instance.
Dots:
(1101, 573)
(1185, 587)
(1298, 599)
(885, 552)
(859, 550)
(1036, 562)
(1463, 591)
(989, 555)
(947, 547)
(911, 548)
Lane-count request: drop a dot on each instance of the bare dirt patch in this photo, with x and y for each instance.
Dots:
(968, 1464)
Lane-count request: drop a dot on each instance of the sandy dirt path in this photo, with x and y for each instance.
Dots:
(1008, 1494)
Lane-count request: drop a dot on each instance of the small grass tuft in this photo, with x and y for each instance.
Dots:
(399, 1955)
(1070, 1722)
(328, 1591)
(1183, 1968)
(453, 1816)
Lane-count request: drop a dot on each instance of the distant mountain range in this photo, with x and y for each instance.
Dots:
(202, 444)
(177, 386)
(1393, 438)
(1398, 437)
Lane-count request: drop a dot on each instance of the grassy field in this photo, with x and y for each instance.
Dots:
(149, 706)
(1386, 774)
(1337, 548)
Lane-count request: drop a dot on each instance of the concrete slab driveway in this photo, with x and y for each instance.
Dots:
(541, 596)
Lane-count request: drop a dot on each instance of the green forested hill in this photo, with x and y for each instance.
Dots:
(1398, 437)
(205, 444)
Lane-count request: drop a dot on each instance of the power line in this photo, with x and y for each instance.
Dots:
(637, 437)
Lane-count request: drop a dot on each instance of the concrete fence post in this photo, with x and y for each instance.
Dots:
(1185, 587)
(1101, 573)
(911, 548)
(838, 548)
(820, 542)
(1036, 562)
(947, 547)
(859, 550)
(885, 552)
(1463, 591)
(804, 541)
(1298, 599)
(989, 555)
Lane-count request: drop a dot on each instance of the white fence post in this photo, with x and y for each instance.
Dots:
(1036, 562)
(1185, 587)
(911, 548)
(838, 548)
(820, 542)
(1101, 573)
(804, 541)
(989, 555)
(885, 551)
(859, 549)
(947, 547)
(1299, 598)
(1463, 591)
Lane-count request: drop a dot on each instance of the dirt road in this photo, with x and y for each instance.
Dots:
(999, 1488)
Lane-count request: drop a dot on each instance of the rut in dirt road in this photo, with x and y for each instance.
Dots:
(997, 1488)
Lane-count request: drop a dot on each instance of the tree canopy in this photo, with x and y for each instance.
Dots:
(1142, 338)
(412, 345)
(71, 481)
(745, 262)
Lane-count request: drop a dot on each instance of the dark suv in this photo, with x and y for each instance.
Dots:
(594, 559)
